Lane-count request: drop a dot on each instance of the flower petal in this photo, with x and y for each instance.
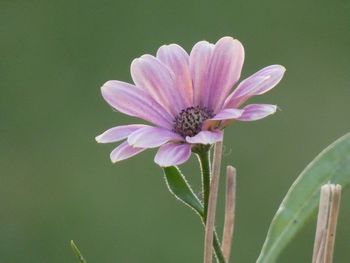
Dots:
(172, 154)
(118, 133)
(200, 58)
(133, 101)
(124, 151)
(227, 114)
(257, 84)
(150, 74)
(253, 112)
(206, 137)
(177, 59)
(225, 70)
(151, 137)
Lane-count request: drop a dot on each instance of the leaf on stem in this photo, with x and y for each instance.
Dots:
(180, 188)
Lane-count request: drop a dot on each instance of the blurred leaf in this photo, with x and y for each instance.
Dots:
(180, 188)
(331, 165)
(77, 252)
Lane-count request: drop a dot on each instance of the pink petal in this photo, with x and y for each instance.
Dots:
(177, 60)
(118, 133)
(257, 84)
(124, 151)
(253, 112)
(227, 114)
(200, 58)
(153, 76)
(206, 137)
(133, 101)
(151, 137)
(172, 154)
(225, 70)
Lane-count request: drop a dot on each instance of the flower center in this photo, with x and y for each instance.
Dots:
(189, 121)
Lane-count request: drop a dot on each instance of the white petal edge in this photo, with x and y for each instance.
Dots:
(206, 137)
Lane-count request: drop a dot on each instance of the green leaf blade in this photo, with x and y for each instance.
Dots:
(331, 165)
(180, 188)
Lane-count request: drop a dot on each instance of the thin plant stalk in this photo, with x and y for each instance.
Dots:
(229, 212)
(321, 227)
(204, 160)
(332, 223)
(214, 184)
(326, 223)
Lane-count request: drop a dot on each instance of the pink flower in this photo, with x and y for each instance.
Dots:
(186, 99)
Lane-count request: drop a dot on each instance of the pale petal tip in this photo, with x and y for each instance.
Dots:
(98, 138)
(281, 68)
(272, 109)
(229, 39)
(114, 160)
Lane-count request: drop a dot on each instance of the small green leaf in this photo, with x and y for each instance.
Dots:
(331, 165)
(180, 188)
(77, 252)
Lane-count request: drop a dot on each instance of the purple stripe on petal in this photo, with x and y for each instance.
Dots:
(124, 151)
(227, 114)
(206, 137)
(118, 133)
(172, 154)
(151, 137)
(225, 70)
(200, 58)
(133, 101)
(257, 84)
(253, 112)
(177, 60)
(153, 76)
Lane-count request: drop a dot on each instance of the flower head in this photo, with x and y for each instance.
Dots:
(186, 99)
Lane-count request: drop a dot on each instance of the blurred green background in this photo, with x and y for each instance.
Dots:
(58, 184)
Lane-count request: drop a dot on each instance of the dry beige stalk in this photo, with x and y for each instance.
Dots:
(326, 223)
(332, 223)
(213, 194)
(229, 212)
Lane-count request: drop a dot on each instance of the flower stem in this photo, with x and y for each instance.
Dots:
(204, 160)
(217, 246)
(217, 249)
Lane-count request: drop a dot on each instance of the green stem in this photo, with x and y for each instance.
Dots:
(217, 249)
(204, 161)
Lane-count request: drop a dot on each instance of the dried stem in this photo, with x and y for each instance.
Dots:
(229, 211)
(321, 227)
(214, 184)
(326, 223)
(332, 223)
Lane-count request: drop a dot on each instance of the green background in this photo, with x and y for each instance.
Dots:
(58, 184)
